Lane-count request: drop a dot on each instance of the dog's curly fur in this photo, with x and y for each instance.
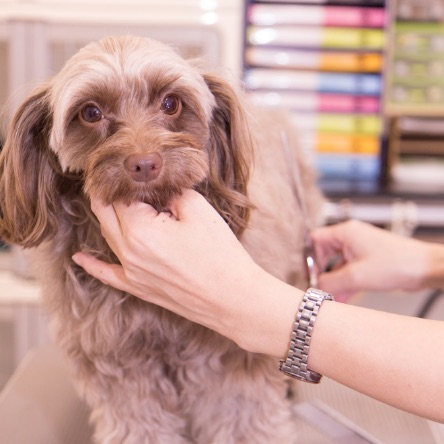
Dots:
(147, 374)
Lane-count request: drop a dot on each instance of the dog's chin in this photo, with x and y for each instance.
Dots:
(160, 202)
(158, 197)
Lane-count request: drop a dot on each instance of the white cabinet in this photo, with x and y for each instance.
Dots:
(37, 37)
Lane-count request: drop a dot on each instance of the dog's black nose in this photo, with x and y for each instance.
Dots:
(144, 167)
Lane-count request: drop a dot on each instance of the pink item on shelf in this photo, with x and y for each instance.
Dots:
(354, 17)
(348, 103)
(316, 15)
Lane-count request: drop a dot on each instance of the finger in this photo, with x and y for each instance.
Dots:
(134, 216)
(114, 276)
(107, 217)
(192, 203)
(109, 274)
(327, 258)
(185, 203)
(103, 212)
(329, 237)
(340, 283)
(328, 244)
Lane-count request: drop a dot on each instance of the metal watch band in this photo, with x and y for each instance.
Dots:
(296, 363)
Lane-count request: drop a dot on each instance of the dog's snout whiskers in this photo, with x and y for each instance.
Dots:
(144, 167)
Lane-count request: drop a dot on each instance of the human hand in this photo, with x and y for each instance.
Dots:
(161, 254)
(191, 263)
(373, 259)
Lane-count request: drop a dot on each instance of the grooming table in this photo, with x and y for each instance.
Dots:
(39, 405)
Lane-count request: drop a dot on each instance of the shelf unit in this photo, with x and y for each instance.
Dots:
(415, 98)
(293, 39)
(324, 63)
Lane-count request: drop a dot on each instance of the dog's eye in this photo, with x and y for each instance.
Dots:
(171, 105)
(91, 114)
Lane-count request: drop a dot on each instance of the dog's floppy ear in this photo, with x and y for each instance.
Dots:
(230, 150)
(27, 180)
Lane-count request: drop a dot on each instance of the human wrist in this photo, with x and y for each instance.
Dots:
(296, 362)
(266, 315)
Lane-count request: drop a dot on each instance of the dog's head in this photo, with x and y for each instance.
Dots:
(126, 119)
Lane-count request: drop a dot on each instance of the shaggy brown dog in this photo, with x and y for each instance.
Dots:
(128, 119)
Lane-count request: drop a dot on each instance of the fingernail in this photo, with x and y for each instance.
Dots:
(76, 258)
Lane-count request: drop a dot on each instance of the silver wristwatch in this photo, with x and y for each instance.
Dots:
(296, 363)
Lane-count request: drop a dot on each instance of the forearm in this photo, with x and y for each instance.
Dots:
(395, 359)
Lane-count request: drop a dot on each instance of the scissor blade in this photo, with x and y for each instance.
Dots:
(296, 183)
(295, 177)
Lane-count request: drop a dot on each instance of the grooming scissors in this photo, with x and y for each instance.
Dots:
(298, 191)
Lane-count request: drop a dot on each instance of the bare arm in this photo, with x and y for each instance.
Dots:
(193, 265)
(395, 359)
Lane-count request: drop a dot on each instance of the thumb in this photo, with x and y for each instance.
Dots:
(186, 203)
(339, 283)
(191, 203)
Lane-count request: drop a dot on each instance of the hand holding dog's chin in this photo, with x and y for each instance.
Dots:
(191, 263)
